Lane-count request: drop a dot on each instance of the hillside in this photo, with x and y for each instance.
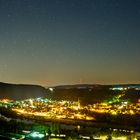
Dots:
(21, 91)
(85, 93)
(95, 93)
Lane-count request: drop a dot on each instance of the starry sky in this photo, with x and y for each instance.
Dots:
(54, 42)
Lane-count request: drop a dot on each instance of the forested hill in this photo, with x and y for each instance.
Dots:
(85, 93)
(95, 93)
(21, 91)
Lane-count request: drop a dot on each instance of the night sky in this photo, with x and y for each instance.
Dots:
(54, 42)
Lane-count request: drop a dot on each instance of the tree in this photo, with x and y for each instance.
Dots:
(109, 137)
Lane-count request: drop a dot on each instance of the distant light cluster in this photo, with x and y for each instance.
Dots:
(49, 109)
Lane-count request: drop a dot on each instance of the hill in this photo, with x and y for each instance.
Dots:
(88, 93)
(21, 91)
